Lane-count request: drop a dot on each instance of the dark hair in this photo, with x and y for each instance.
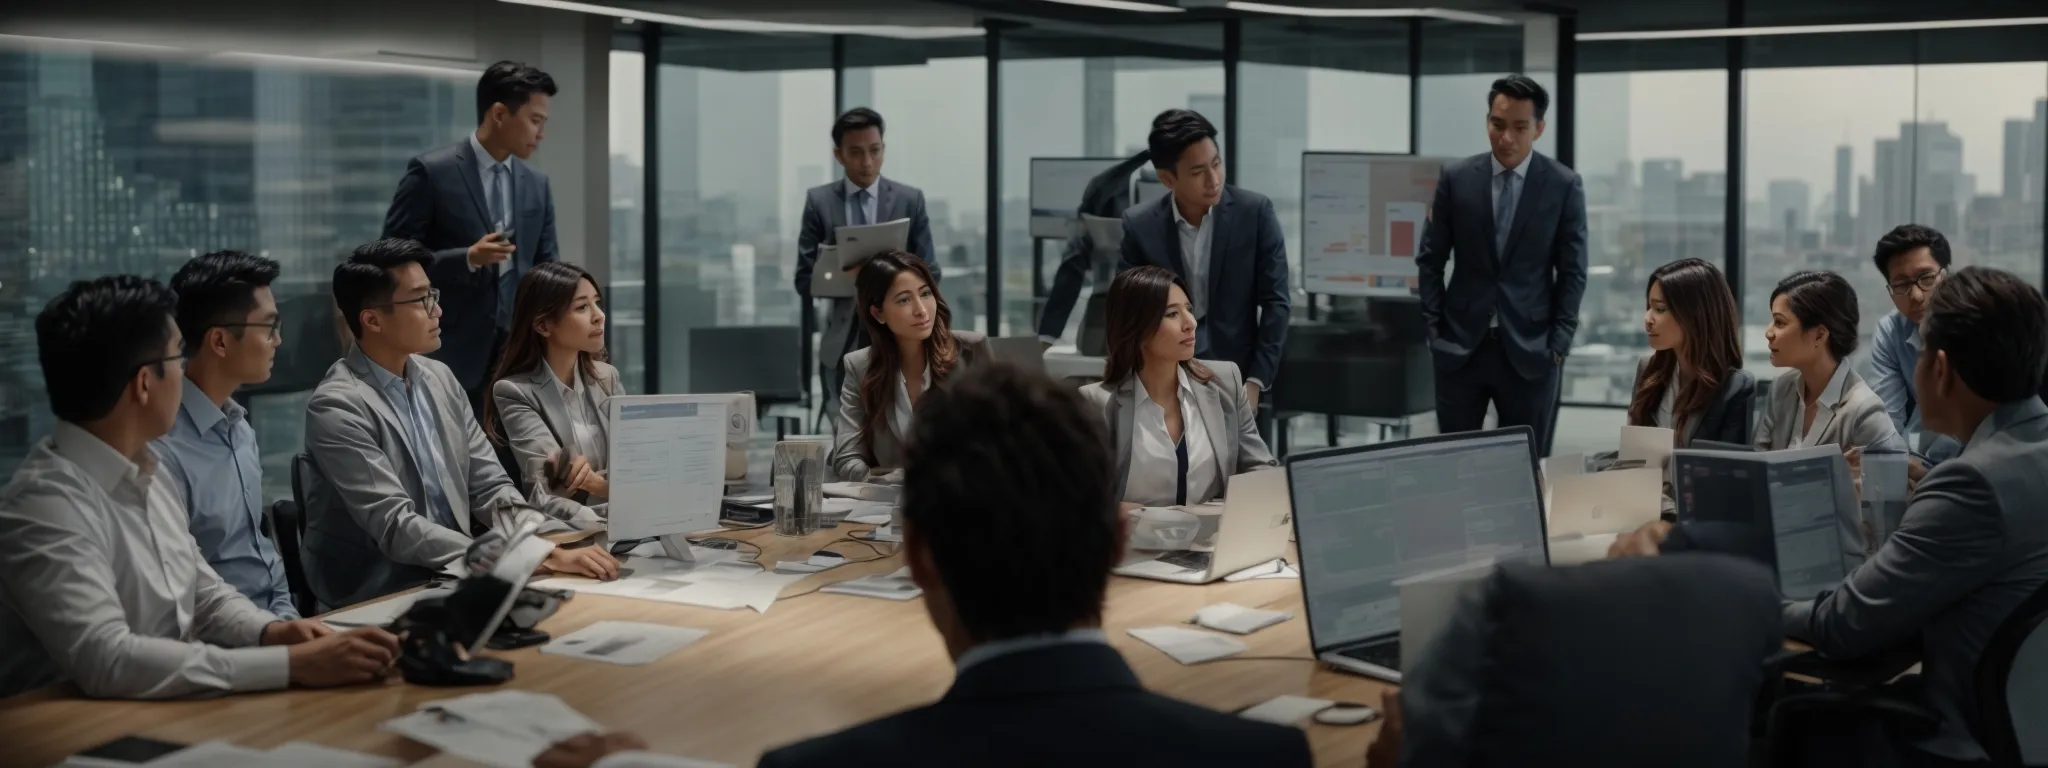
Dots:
(1823, 300)
(512, 84)
(1173, 131)
(1021, 452)
(878, 386)
(1520, 88)
(1903, 239)
(1705, 310)
(218, 288)
(1137, 299)
(93, 337)
(1994, 327)
(856, 119)
(544, 294)
(365, 281)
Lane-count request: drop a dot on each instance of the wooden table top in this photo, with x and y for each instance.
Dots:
(814, 663)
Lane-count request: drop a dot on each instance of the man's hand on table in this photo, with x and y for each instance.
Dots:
(1385, 751)
(295, 631)
(1647, 541)
(361, 655)
(593, 562)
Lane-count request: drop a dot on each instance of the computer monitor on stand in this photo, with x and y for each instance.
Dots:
(668, 459)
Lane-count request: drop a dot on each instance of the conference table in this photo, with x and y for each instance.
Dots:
(814, 663)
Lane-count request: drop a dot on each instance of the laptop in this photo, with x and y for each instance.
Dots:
(1253, 530)
(1371, 518)
(1025, 352)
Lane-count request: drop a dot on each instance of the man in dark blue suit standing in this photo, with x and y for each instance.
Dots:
(1223, 241)
(488, 217)
(1515, 221)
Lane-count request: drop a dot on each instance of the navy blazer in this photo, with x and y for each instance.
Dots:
(1248, 296)
(441, 203)
(1074, 706)
(1534, 287)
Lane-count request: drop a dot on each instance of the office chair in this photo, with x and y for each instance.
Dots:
(766, 360)
(289, 520)
(2012, 687)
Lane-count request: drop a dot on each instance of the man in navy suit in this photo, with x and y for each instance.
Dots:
(488, 217)
(1223, 241)
(1515, 222)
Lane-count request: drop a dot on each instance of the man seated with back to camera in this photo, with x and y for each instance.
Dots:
(1973, 543)
(1036, 681)
(100, 582)
(404, 466)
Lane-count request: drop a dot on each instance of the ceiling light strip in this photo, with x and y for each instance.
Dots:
(754, 26)
(1248, 6)
(1812, 29)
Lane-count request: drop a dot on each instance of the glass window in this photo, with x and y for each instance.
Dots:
(1069, 95)
(124, 160)
(625, 298)
(1460, 61)
(1652, 154)
(745, 130)
(937, 116)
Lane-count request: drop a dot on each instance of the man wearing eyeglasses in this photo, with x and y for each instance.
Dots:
(405, 473)
(228, 317)
(1913, 259)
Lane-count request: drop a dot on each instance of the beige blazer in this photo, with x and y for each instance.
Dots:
(1227, 415)
(535, 417)
(854, 456)
(1849, 414)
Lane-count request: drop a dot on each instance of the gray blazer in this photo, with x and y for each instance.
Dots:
(853, 455)
(1229, 418)
(364, 536)
(824, 214)
(1972, 546)
(535, 418)
(1851, 414)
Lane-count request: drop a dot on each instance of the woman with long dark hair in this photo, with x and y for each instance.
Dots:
(1181, 427)
(912, 348)
(1819, 399)
(549, 391)
(1692, 382)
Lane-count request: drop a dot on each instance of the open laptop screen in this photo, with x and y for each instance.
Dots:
(1375, 515)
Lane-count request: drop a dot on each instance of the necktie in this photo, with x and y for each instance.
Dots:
(1504, 211)
(860, 208)
(508, 277)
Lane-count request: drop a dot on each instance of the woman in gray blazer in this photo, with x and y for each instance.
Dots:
(913, 348)
(1693, 382)
(1819, 400)
(1181, 427)
(551, 385)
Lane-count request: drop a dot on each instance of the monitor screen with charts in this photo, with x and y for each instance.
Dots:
(1372, 516)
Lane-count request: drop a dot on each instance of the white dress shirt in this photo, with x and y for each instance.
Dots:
(503, 181)
(1666, 406)
(867, 206)
(583, 418)
(1822, 412)
(1194, 249)
(899, 414)
(1154, 466)
(102, 584)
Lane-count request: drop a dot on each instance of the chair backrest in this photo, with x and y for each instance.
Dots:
(2012, 687)
(286, 522)
(1576, 666)
(763, 359)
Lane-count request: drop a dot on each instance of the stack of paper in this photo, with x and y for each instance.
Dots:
(722, 585)
(1189, 646)
(382, 613)
(894, 586)
(1237, 619)
(505, 728)
(627, 643)
(819, 561)
(862, 491)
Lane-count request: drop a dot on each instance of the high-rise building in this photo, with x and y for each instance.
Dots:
(2014, 181)
(1842, 229)
(1789, 202)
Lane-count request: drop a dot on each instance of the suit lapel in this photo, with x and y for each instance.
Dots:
(1221, 441)
(885, 193)
(553, 408)
(470, 181)
(1168, 219)
(1532, 191)
(598, 392)
(1482, 175)
(1121, 405)
(360, 367)
(836, 217)
(1217, 237)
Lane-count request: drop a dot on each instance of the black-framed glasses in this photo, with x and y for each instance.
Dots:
(271, 329)
(1926, 283)
(159, 362)
(427, 302)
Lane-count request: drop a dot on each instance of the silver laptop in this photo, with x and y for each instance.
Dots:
(1369, 518)
(828, 280)
(1253, 530)
(1025, 352)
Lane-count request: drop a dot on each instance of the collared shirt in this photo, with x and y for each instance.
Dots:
(210, 459)
(1894, 351)
(1194, 250)
(1667, 406)
(900, 413)
(422, 433)
(583, 417)
(102, 584)
(999, 648)
(501, 179)
(867, 206)
(1155, 466)
(1823, 409)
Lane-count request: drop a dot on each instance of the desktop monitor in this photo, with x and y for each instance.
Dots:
(668, 461)
(1369, 518)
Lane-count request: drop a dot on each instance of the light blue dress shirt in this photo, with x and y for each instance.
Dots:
(1893, 354)
(867, 206)
(211, 460)
(422, 434)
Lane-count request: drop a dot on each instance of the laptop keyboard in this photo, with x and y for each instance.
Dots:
(1194, 561)
(1385, 655)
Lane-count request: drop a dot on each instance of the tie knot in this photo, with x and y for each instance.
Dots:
(1507, 175)
(498, 167)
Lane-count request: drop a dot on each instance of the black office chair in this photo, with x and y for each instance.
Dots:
(289, 520)
(2012, 687)
(763, 359)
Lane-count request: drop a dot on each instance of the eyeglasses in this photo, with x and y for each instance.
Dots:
(157, 362)
(427, 302)
(1926, 283)
(272, 328)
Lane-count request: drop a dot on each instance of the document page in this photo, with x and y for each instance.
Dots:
(667, 464)
(1803, 521)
